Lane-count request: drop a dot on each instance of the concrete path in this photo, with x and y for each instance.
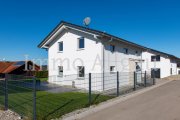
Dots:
(161, 103)
(54, 88)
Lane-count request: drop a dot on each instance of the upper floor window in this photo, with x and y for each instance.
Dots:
(112, 48)
(136, 52)
(125, 50)
(81, 43)
(155, 58)
(60, 46)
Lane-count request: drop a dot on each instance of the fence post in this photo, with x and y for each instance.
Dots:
(145, 79)
(89, 88)
(34, 98)
(134, 81)
(6, 92)
(117, 83)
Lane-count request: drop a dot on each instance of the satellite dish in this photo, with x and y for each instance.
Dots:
(87, 21)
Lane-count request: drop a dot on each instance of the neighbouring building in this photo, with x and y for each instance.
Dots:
(17, 68)
(178, 69)
(162, 64)
(74, 51)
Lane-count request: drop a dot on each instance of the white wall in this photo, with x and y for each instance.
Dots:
(121, 62)
(118, 58)
(178, 71)
(92, 58)
(73, 57)
(174, 67)
(165, 64)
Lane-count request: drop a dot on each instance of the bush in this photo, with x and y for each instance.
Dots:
(41, 74)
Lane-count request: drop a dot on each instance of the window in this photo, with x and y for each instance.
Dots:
(138, 68)
(155, 58)
(171, 71)
(112, 68)
(81, 71)
(30, 67)
(125, 51)
(81, 43)
(60, 46)
(60, 71)
(112, 48)
(136, 53)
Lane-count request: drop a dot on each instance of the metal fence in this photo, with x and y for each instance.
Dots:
(45, 100)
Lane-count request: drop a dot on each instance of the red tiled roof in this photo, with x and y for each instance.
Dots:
(7, 67)
(4, 66)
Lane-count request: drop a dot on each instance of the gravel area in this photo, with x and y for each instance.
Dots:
(9, 115)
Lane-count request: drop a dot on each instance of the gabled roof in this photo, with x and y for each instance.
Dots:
(166, 54)
(5, 66)
(100, 33)
(97, 32)
(8, 67)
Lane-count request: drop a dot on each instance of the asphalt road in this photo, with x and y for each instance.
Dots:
(162, 103)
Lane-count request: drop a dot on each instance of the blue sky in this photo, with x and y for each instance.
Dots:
(24, 23)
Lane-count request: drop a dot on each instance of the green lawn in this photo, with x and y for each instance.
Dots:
(49, 105)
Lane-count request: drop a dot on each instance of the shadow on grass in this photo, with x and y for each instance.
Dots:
(95, 99)
(52, 112)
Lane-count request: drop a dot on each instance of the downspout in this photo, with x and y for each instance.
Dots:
(103, 56)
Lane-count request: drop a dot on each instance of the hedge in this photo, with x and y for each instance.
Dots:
(41, 74)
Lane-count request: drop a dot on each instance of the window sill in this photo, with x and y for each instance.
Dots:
(81, 78)
(60, 51)
(60, 76)
(79, 49)
(112, 72)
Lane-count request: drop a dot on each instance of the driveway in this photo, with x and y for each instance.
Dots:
(162, 103)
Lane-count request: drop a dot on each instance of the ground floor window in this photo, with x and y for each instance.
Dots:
(171, 71)
(156, 73)
(112, 69)
(60, 71)
(81, 71)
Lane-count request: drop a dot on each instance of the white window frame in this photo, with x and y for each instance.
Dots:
(126, 51)
(78, 43)
(59, 46)
(78, 72)
(113, 46)
(136, 53)
(60, 67)
(112, 69)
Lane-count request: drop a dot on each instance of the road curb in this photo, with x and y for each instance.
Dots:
(79, 114)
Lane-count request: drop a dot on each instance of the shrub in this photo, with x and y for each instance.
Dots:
(41, 74)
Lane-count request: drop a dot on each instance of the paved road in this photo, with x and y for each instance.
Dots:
(162, 103)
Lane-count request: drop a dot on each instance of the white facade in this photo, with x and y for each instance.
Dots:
(178, 71)
(167, 66)
(96, 58)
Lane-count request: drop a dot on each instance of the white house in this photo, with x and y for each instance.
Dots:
(164, 64)
(75, 51)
